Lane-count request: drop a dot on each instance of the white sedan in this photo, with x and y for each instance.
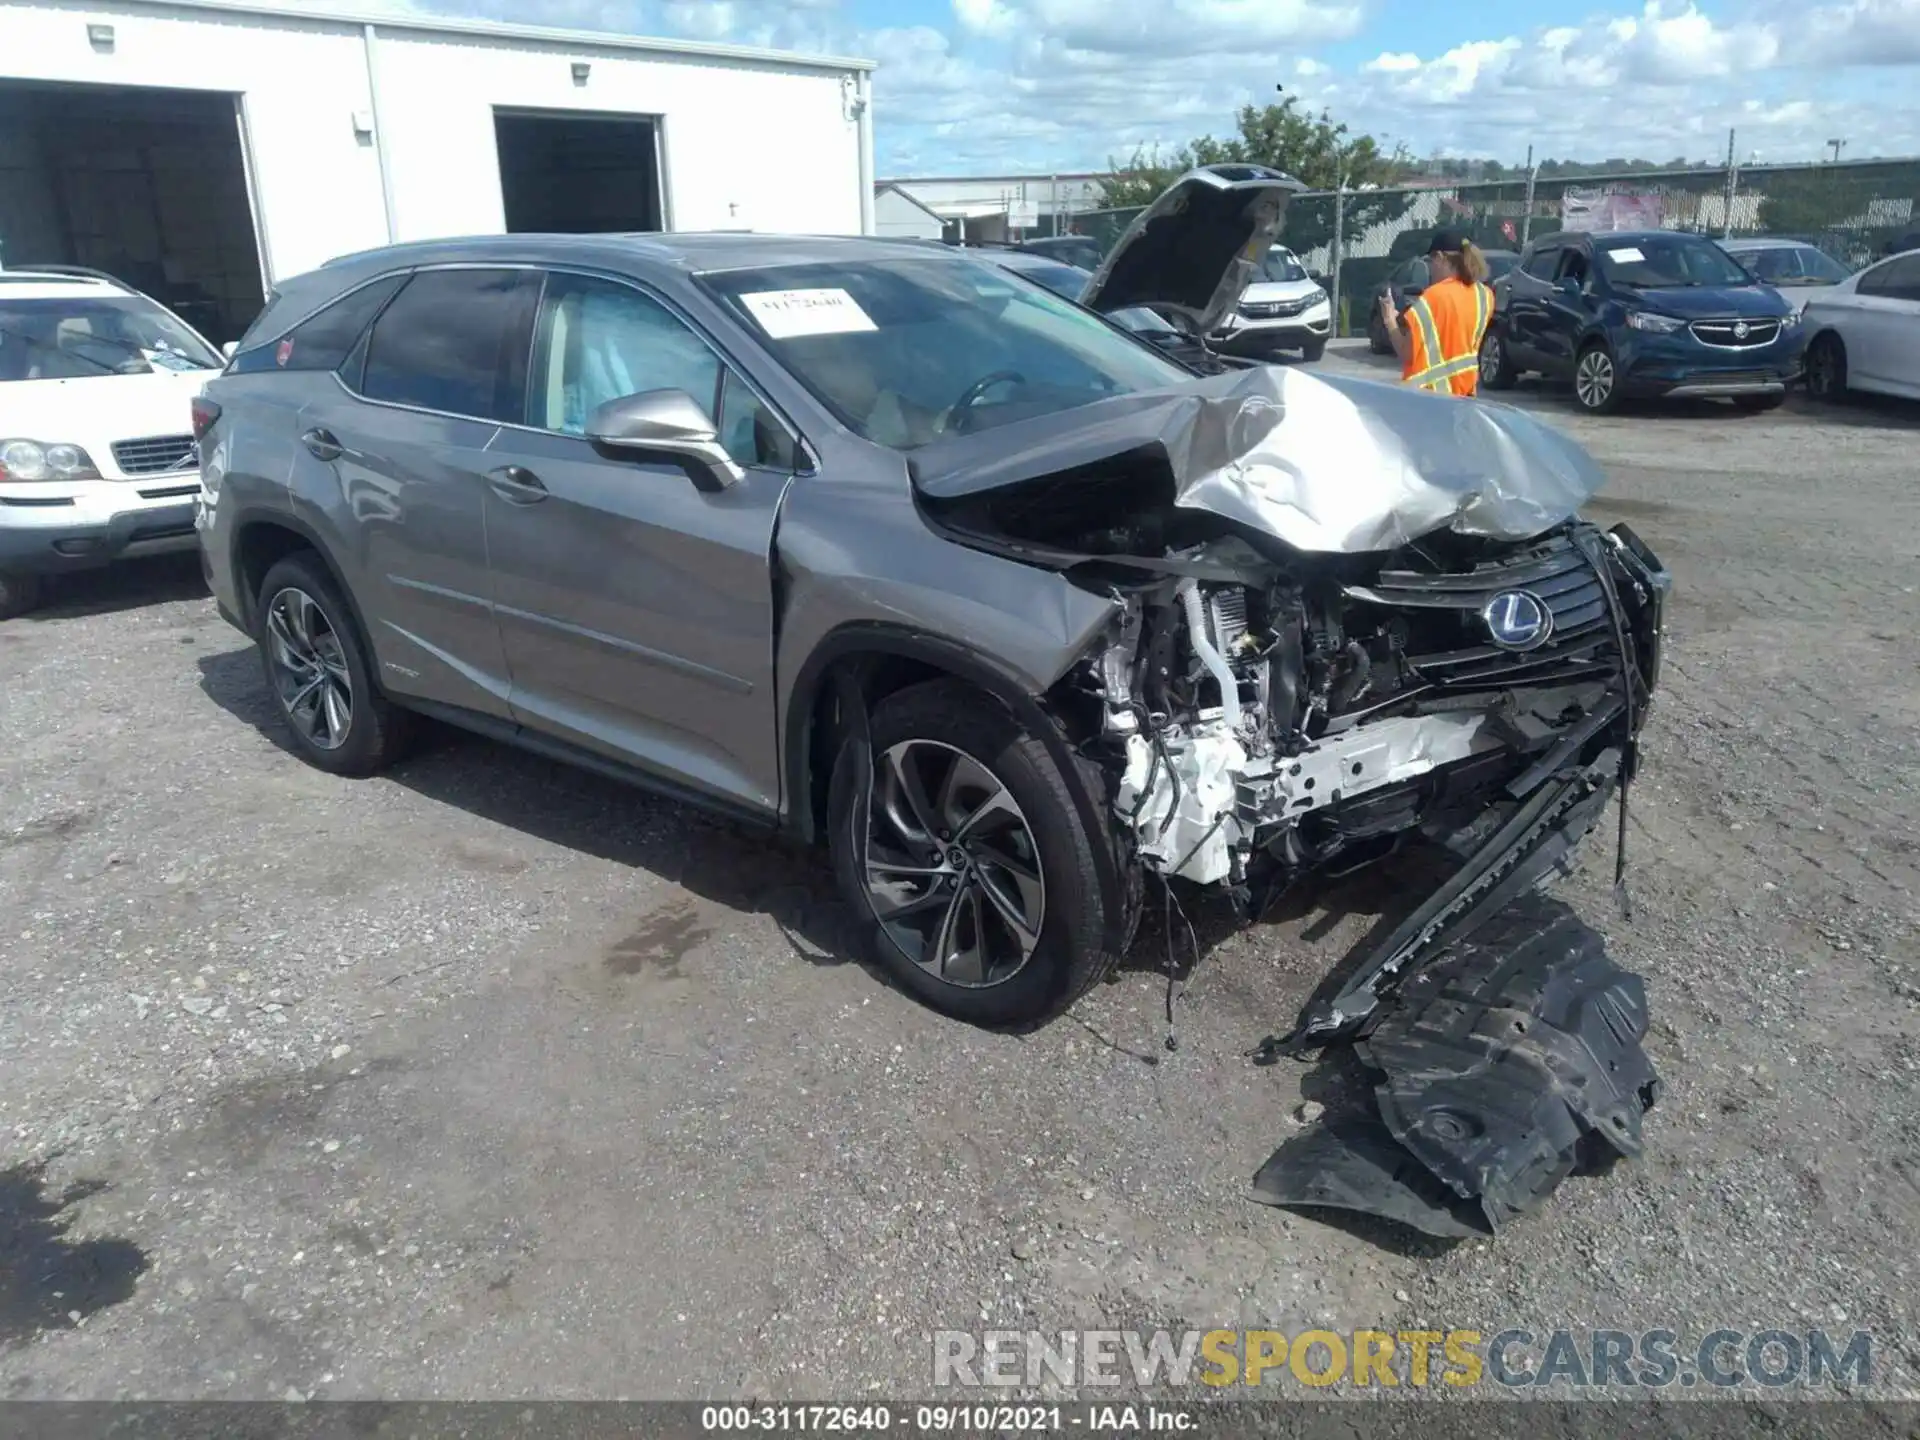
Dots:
(1864, 333)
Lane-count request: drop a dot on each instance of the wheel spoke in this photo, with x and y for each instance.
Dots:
(947, 935)
(908, 786)
(932, 898)
(1013, 914)
(338, 714)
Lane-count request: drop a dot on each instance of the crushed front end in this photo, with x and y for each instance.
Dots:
(1346, 618)
(1269, 724)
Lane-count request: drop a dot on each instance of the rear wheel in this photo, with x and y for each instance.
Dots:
(18, 594)
(319, 668)
(1496, 365)
(970, 873)
(1596, 381)
(1827, 368)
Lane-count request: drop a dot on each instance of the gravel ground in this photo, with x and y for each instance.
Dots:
(487, 1080)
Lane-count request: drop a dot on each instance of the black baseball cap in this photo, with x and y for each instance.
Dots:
(1447, 242)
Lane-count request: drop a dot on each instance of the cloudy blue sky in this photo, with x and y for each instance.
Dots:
(990, 86)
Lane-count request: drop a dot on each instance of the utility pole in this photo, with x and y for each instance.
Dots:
(1526, 218)
(1837, 145)
(1339, 219)
(1726, 227)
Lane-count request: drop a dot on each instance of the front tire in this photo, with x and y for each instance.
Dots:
(318, 667)
(973, 881)
(1313, 350)
(18, 594)
(1596, 380)
(1827, 368)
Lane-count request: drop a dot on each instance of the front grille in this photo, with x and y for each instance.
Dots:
(1460, 652)
(155, 454)
(1272, 309)
(1735, 334)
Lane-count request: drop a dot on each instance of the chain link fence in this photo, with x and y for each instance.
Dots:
(1852, 210)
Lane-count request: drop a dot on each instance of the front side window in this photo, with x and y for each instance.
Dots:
(86, 336)
(1541, 263)
(455, 341)
(601, 340)
(903, 351)
(1665, 262)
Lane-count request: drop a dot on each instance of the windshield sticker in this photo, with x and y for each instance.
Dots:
(785, 314)
(1627, 256)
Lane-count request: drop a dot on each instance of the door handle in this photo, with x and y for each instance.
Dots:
(321, 444)
(517, 485)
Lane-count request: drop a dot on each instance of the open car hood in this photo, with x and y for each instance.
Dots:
(1324, 463)
(1194, 249)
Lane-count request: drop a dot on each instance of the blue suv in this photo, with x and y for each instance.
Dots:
(1653, 313)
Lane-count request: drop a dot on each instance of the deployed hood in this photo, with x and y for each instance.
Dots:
(1324, 463)
(1194, 250)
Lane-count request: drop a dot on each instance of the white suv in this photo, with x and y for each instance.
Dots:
(97, 453)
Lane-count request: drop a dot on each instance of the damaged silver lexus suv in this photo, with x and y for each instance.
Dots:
(894, 548)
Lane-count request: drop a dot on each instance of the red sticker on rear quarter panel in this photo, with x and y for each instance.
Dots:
(284, 353)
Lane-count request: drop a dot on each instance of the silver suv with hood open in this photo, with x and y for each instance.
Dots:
(891, 548)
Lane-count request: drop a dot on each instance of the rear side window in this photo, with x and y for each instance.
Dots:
(455, 341)
(1897, 279)
(325, 339)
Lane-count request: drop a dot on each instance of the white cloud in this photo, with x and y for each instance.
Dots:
(1065, 84)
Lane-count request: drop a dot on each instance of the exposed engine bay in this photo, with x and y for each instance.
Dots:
(1266, 713)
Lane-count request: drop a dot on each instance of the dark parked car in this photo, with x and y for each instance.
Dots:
(1650, 313)
(1080, 251)
(1409, 278)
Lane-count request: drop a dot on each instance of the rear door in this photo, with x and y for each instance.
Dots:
(636, 604)
(403, 440)
(1564, 318)
(1883, 331)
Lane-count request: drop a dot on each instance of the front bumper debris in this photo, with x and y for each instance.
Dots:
(1510, 1061)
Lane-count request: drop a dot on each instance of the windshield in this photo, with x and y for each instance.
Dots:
(906, 350)
(1792, 265)
(1281, 266)
(75, 337)
(1664, 262)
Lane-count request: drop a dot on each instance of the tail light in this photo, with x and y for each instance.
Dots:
(205, 412)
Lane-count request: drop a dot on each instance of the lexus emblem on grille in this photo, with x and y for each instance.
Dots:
(1517, 620)
(1739, 329)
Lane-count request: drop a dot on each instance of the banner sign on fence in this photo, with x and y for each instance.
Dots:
(1597, 210)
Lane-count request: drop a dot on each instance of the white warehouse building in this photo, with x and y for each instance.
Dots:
(201, 148)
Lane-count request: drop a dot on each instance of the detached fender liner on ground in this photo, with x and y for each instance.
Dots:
(1508, 1062)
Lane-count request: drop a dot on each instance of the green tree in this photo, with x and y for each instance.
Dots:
(1313, 148)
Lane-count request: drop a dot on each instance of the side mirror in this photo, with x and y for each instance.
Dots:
(665, 422)
(1570, 287)
(229, 349)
